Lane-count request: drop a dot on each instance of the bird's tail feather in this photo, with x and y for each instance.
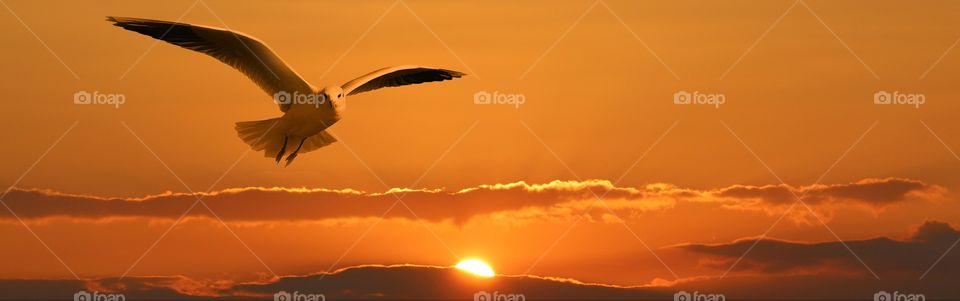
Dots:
(319, 140)
(262, 135)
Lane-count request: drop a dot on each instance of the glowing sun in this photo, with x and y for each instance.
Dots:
(476, 267)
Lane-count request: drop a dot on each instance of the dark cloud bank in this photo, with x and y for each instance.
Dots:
(773, 269)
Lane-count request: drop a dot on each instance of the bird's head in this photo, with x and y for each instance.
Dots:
(335, 96)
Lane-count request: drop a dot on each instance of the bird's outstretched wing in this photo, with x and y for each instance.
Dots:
(398, 76)
(242, 52)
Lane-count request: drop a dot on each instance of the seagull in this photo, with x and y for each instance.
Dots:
(307, 111)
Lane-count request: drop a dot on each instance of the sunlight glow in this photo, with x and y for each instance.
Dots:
(476, 267)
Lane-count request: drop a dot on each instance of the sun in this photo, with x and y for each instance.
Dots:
(476, 267)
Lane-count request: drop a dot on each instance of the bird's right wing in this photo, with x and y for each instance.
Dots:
(398, 76)
(240, 51)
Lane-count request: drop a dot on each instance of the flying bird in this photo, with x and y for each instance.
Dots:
(307, 111)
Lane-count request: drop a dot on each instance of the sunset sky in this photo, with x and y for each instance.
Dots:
(599, 185)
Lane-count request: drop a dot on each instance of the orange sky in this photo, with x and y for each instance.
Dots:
(598, 79)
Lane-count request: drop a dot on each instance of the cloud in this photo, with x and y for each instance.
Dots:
(773, 268)
(869, 192)
(770, 279)
(297, 204)
(39, 289)
(391, 282)
(425, 282)
(819, 287)
(515, 201)
(823, 270)
(909, 258)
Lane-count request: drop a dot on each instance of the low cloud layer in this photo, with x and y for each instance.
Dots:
(408, 282)
(557, 198)
(773, 269)
(922, 255)
(781, 269)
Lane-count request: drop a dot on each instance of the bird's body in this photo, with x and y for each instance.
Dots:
(308, 119)
(307, 111)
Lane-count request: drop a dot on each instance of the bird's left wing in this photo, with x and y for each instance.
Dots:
(398, 76)
(240, 51)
